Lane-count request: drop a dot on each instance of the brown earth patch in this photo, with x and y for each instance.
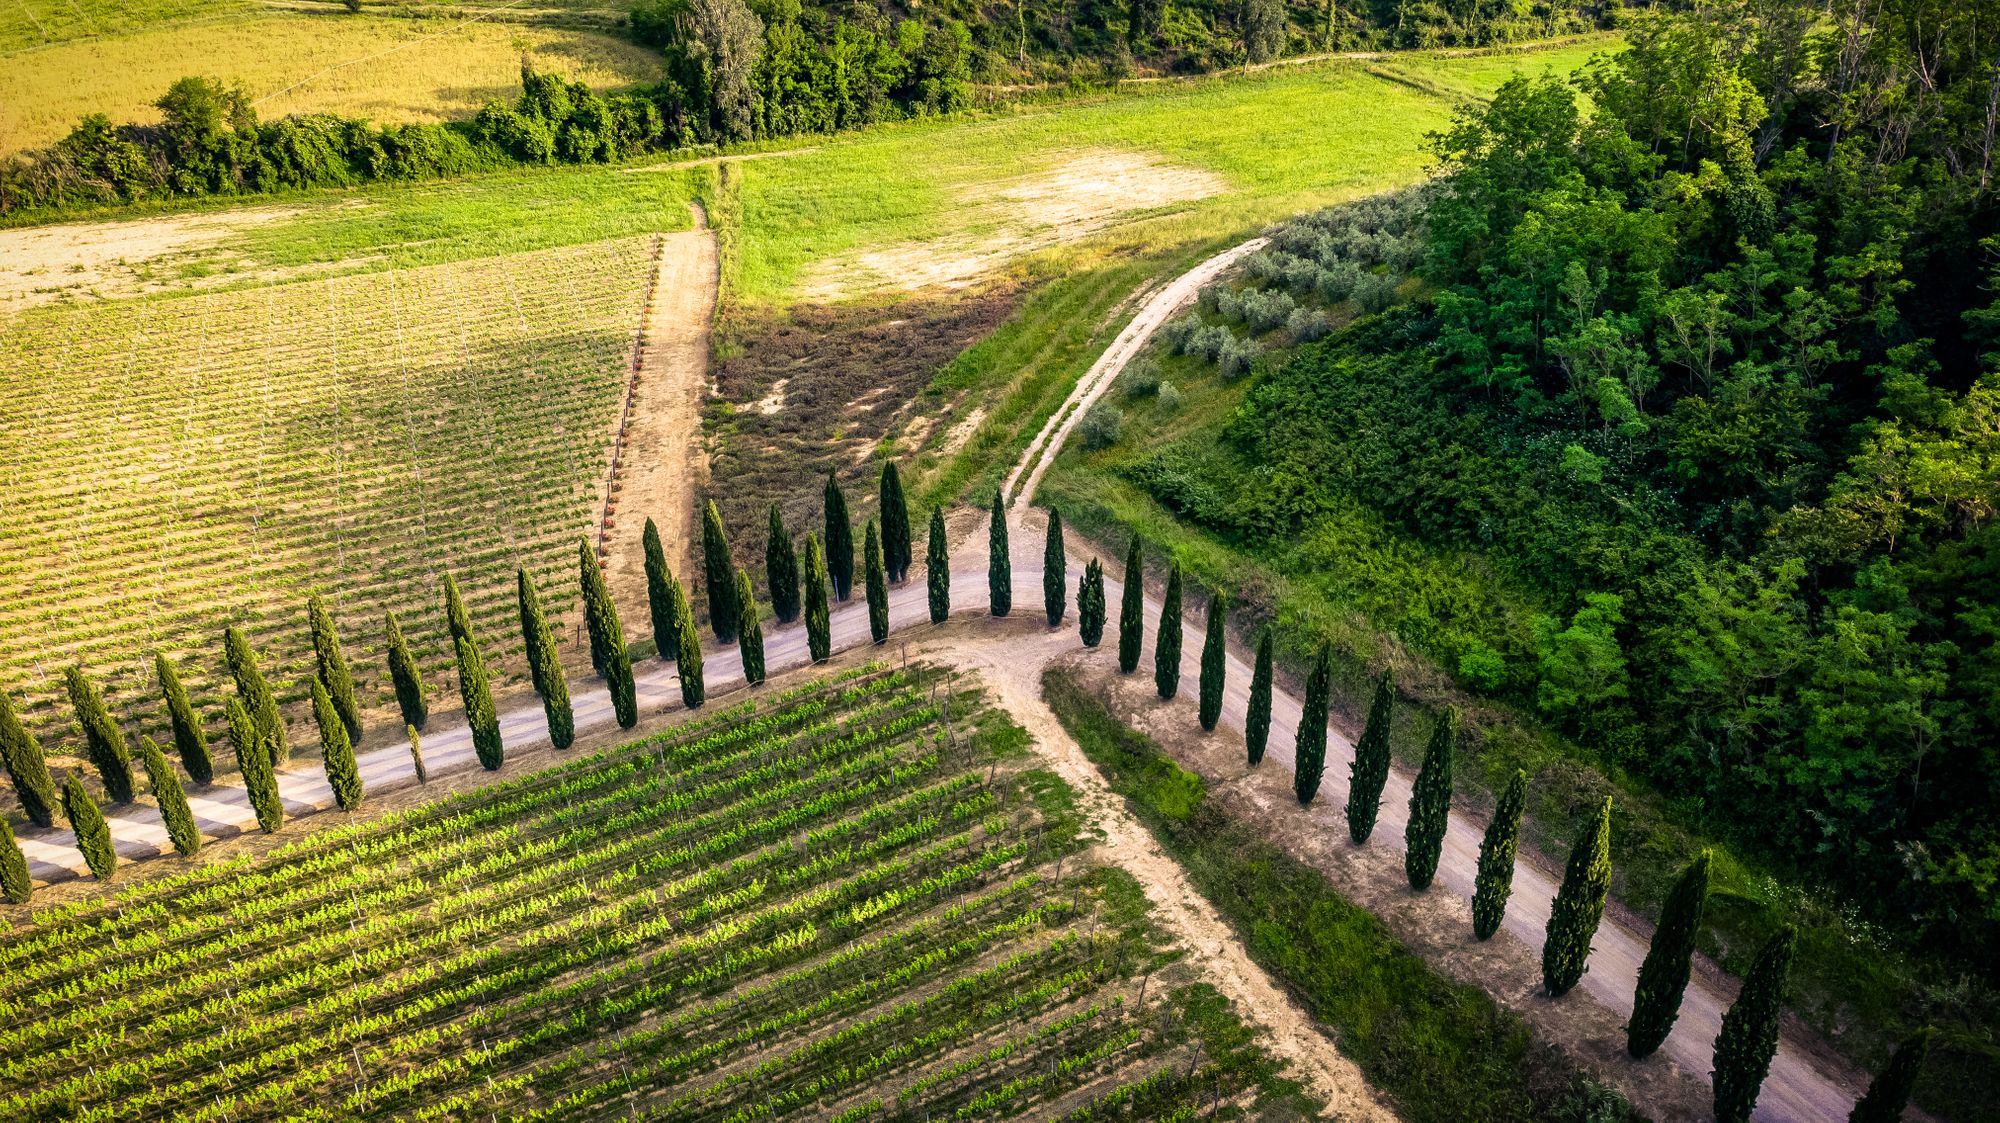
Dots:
(45, 264)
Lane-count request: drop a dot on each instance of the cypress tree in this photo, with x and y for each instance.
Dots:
(408, 679)
(253, 760)
(1579, 905)
(1214, 660)
(1090, 604)
(1167, 648)
(781, 569)
(878, 586)
(331, 667)
(545, 663)
(937, 569)
(749, 630)
(1370, 771)
(1749, 1037)
(477, 694)
(1430, 804)
(1131, 611)
(336, 751)
(93, 834)
(1309, 750)
(256, 693)
(417, 754)
(999, 562)
(607, 638)
(839, 544)
(1663, 977)
(819, 637)
(190, 739)
(103, 741)
(26, 766)
(1055, 571)
(720, 574)
(1257, 718)
(659, 602)
(456, 618)
(1890, 1091)
(173, 801)
(1495, 881)
(896, 556)
(687, 660)
(15, 883)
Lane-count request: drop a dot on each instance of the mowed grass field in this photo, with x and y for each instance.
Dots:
(391, 71)
(838, 902)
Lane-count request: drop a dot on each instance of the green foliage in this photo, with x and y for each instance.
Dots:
(172, 798)
(1055, 571)
(331, 666)
(1132, 610)
(1749, 1037)
(103, 741)
(15, 883)
(1889, 1092)
(1497, 851)
(937, 568)
(336, 750)
(819, 639)
(877, 585)
(719, 574)
(417, 754)
(999, 561)
(1663, 977)
(190, 739)
(1214, 659)
(607, 637)
(896, 555)
(457, 621)
(781, 571)
(407, 677)
(1370, 770)
(1257, 718)
(659, 602)
(26, 766)
(476, 691)
(839, 541)
(1579, 905)
(1167, 645)
(687, 661)
(1430, 803)
(545, 662)
(1100, 426)
(749, 630)
(1090, 604)
(93, 834)
(1309, 746)
(257, 695)
(253, 763)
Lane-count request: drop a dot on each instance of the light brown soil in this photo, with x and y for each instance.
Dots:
(45, 264)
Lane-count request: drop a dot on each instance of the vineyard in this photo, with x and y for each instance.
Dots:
(177, 465)
(847, 902)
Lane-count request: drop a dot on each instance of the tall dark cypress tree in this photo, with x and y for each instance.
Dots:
(456, 619)
(999, 562)
(175, 814)
(719, 572)
(876, 580)
(1214, 660)
(1167, 648)
(1090, 604)
(1889, 1093)
(896, 556)
(330, 666)
(1309, 749)
(15, 883)
(336, 751)
(407, 677)
(253, 761)
(659, 602)
(819, 636)
(1430, 804)
(749, 630)
(190, 739)
(545, 663)
(1055, 571)
(1257, 718)
(477, 694)
(103, 741)
(937, 569)
(1663, 977)
(1579, 905)
(687, 662)
(257, 695)
(1749, 1037)
(607, 638)
(781, 569)
(839, 543)
(93, 834)
(26, 766)
(417, 754)
(1497, 851)
(1132, 610)
(1370, 771)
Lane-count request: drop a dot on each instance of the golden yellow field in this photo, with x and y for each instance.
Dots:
(389, 70)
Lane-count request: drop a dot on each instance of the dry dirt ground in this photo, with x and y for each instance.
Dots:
(45, 264)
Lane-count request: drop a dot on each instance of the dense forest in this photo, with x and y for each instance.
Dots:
(1711, 368)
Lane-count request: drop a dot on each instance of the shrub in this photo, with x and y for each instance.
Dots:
(1376, 291)
(1177, 332)
(1307, 325)
(1142, 378)
(1235, 356)
(1170, 397)
(1209, 342)
(1100, 425)
(1267, 309)
(1338, 280)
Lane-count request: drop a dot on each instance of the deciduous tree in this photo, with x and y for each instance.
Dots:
(1579, 905)
(1430, 803)
(103, 741)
